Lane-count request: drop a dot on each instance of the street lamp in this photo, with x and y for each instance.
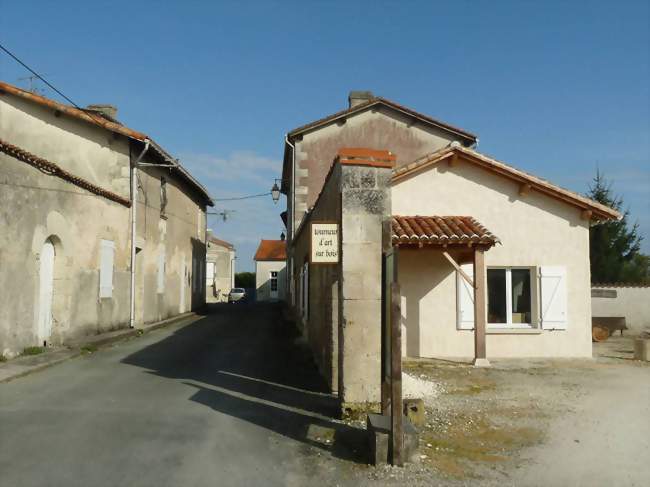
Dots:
(275, 191)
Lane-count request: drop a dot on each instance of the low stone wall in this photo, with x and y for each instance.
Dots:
(632, 302)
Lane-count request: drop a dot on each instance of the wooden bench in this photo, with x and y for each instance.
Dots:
(609, 323)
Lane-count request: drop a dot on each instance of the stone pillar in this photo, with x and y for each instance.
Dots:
(365, 205)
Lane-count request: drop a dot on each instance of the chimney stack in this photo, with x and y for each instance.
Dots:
(358, 97)
(107, 111)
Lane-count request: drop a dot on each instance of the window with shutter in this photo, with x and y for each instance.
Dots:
(107, 253)
(553, 309)
(465, 299)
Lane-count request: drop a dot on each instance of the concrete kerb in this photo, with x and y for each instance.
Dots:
(25, 365)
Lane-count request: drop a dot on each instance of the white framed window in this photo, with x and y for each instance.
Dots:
(106, 260)
(274, 281)
(160, 288)
(510, 297)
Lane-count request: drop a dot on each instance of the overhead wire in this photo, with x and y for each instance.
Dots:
(69, 100)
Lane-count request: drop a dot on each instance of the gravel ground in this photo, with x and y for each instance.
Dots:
(528, 423)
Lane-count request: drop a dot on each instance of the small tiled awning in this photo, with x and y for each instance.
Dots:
(440, 230)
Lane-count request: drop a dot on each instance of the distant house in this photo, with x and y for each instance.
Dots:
(270, 270)
(220, 269)
(71, 265)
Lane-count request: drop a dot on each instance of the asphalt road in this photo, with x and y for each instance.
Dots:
(226, 400)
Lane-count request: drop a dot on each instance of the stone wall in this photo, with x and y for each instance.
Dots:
(36, 208)
(343, 319)
(628, 301)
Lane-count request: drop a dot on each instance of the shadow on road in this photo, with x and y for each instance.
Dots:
(245, 361)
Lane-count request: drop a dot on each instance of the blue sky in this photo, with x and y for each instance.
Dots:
(554, 88)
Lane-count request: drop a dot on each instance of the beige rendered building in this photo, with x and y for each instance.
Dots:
(451, 213)
(219, 270)
(70, 262)
(270, 270)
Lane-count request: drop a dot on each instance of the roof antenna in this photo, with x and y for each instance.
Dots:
(32, 86)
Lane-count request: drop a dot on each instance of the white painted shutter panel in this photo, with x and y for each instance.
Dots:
(106, 252)
(553, 309)
(465, 299)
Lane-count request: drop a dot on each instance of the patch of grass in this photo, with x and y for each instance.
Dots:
(89, 348)
(458, 451)
(3, 358)
(33, 350)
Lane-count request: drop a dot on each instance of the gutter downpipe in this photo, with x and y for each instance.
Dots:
(293, 213)
(134, 211)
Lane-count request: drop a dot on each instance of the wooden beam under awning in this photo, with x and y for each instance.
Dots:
(458, 268)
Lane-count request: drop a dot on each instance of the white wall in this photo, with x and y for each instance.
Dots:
(631, 302)
(263, 270)
(535, 230)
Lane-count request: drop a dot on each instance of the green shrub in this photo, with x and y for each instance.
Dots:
(33, 350)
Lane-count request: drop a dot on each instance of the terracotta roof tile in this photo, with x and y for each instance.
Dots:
(271, 250)
(91, 117)
(440, 230)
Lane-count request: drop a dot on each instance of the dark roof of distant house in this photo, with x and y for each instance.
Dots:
(390, 104)
(271, 250)
(93, 117)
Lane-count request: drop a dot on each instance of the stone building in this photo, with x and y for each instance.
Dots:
(71, 264)
(491, 261)
(220, 269)
(270, 270)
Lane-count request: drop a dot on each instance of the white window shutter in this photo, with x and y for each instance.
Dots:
(553, 309)
(465, 299)
(106, 252)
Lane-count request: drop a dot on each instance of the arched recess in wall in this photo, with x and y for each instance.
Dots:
(51, 274)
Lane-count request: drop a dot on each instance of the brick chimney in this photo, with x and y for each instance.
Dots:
(358, 97)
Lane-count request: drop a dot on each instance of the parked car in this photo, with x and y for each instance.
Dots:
(236, 294)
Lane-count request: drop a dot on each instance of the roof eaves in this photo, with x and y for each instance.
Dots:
(504, 169)
(383, 101)
(105, 124)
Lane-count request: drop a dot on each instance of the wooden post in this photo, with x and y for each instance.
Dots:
(480, 312)
(397, 429)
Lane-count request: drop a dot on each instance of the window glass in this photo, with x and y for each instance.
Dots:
(497, 304)
(521, 302)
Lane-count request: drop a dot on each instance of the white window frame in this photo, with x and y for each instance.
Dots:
(509, 324)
